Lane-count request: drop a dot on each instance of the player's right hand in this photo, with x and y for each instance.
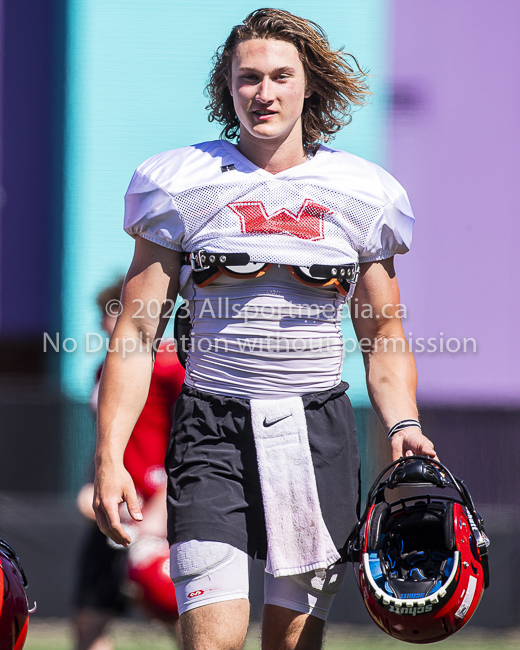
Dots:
(112, 487)
(412, 441)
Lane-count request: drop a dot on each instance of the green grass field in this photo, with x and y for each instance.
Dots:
(55, 635)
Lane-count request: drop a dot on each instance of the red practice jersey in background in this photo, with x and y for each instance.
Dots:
(146, 449)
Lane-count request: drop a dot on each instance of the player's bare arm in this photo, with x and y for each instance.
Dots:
(389, 363)
(152, 280)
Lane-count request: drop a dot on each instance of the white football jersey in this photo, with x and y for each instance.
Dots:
(334, 209)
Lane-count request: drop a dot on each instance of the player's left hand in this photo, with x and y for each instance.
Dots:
(410, 442)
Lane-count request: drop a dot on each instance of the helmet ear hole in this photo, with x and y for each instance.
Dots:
(377, 523)
(449, 527)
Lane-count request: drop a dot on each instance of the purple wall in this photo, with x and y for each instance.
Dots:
(32, 121)
(455, 146)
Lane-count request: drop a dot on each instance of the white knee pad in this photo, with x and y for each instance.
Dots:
(309, 593)
(208, 572)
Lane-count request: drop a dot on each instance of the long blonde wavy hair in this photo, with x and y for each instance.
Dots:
(336, 85)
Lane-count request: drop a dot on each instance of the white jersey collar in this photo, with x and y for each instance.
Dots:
(287, 173)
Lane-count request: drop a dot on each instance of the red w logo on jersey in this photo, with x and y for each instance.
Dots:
(307, 224)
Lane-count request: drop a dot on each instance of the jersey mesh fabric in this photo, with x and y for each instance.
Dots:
(308, 212)
(334, 209)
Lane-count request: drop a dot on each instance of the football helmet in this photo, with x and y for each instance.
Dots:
(14, 609)
(150, 584)
(422, 559)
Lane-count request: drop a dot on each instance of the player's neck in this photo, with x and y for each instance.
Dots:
(273, 156)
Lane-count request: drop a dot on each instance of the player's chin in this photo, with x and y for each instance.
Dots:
(265, 131)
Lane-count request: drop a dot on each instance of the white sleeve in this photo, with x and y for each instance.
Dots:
(391, 232)
(150, 212)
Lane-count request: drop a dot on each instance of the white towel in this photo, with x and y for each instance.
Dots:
(298, 540)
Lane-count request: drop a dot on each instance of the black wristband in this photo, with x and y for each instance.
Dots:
(402, 424)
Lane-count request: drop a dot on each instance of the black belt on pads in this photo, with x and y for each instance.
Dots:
(208, 266)
(201, 260)
(348, 272)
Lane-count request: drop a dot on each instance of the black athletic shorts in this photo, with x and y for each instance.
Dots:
(102, 572)
(213, 484)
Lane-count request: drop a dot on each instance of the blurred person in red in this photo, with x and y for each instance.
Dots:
(111, 576)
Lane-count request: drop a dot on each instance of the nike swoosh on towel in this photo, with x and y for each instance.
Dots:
(271, 422)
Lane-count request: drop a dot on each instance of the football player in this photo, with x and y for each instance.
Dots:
(265, 233)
